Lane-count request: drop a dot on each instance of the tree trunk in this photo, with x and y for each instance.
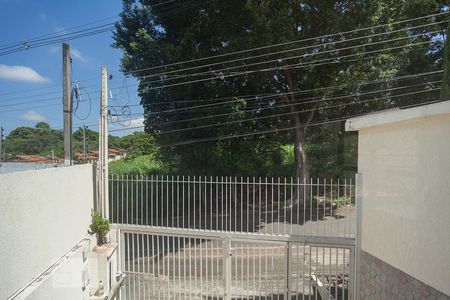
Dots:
(301, 158)
(301, 164)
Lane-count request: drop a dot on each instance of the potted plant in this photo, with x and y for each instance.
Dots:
(99, 226)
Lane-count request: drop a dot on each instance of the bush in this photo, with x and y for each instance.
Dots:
(99, 224)
(341, 201)
(141, 165)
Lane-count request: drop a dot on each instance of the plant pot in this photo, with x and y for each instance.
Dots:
(102, 238)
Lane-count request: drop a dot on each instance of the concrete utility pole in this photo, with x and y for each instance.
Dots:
(1, 149)
(67, 106)
(84, 142)
(103, 147)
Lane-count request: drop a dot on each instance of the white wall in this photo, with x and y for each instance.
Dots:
(63, 280)
(406, 197)
(43, 214)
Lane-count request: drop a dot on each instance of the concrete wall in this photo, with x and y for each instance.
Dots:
(43, 214)
(63, 280)
(406, 197)
(379, 280)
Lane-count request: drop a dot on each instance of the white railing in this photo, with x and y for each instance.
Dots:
(219, 267)
(267, 206)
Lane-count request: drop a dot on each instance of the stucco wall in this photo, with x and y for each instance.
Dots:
(406, 197)
(63, 280)
(43, 214)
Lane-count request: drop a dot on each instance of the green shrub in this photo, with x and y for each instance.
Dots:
(99, 224)
(341, 201)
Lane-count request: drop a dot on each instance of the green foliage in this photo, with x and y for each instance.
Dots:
(99, 224)
(141, 165)
(40, 140)
(149, 37)
(341, 201)
(42, 125)
(137, 144)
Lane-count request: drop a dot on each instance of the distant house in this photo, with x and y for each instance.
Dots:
(113, 154)
(36, 159)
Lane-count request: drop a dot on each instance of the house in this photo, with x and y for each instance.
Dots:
(113, 154)
(404, 227)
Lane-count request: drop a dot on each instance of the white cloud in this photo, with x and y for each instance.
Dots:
(76, 54)
(33, 116)
(21, 73)
(137, 122)
(126, 127)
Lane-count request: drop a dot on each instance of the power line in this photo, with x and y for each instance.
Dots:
(249, 97)
(308, 64)
(297, 41)
(287, 58)
(303, 101)
(32, 107)
(286, 67)
(277, 130)
(313, 100)
(283, 114)
(306, 91)
(26, 45)
(290, 42)
(294, 112)
(315, 46)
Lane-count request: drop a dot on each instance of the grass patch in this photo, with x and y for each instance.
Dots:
(140, 165)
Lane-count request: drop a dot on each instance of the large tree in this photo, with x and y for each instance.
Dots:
(153, 34)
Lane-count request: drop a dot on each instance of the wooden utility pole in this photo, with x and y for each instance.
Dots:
(1, 149)
(67, 106)
(84, 142)
(103, 147)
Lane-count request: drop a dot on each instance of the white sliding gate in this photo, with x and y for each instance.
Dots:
(234, 238)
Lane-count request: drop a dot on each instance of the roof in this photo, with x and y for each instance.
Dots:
(93, 155)
(32, 159)
(397, 115)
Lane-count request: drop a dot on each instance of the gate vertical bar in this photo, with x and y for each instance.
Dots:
(227, 268)
(288, 280)
(358, 204)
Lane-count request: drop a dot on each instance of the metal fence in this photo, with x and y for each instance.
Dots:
(189, 267)
(266, 206)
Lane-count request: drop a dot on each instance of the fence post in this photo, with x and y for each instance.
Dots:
(358, 204)
(227, 268)
(288, 271)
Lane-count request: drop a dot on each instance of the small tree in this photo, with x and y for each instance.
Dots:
(99, 226)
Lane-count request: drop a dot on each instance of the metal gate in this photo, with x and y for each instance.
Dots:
(230, 238)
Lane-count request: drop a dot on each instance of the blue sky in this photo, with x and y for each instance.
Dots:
(39, 70)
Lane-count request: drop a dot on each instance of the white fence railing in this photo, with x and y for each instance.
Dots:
(267, 206)
(219, 267)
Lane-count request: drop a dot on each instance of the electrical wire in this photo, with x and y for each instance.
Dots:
(292, 113)
(26, 45)
(305, 55)
(291, 42)
(77, 93)
(316, 101)
(303, 91)
(309, 39)
(300, 65)
(277, 130)
(309, 64)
